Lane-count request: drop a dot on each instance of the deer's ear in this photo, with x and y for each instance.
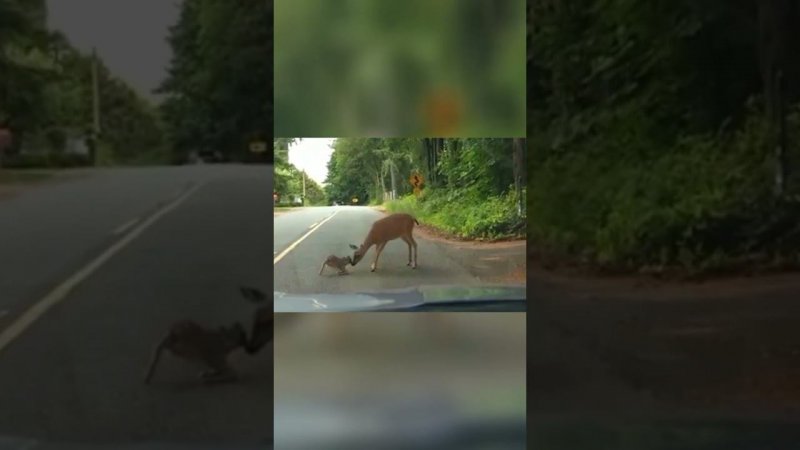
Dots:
(353, 247)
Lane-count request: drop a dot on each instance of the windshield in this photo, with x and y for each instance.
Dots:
(355, 215)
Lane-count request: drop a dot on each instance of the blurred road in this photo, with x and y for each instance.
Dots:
(174, 243)
(725, 350)
(432, 381)
(300, 254)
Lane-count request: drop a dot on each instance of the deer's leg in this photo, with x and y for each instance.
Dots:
(414, 243)
(378, 251)
(322, 268)
(408, 242)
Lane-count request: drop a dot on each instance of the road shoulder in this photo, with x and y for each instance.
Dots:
(722, 345)
(491, 262)
(14, 182)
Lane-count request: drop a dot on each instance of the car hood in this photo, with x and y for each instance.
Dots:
(21, 443)
(409, 298)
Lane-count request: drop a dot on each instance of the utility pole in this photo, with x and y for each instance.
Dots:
(95, 107)
(95, 93)
(394, 181)
(304, 188)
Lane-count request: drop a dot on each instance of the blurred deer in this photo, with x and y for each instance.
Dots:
(262, 331)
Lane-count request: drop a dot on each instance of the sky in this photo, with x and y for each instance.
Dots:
(130, 35)
(312, 155)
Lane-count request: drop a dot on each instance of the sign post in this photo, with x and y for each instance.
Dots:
(417, 181)
(258, 147)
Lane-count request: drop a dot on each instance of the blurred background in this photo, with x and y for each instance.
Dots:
(454, 380)
(415, 68)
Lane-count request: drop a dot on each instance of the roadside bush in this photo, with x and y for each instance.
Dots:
(465, 213)
(702, 203)
(45, 160)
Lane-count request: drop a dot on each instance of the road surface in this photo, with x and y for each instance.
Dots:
(175, 243)
(628, 363)
(305, 237)
(723, 349)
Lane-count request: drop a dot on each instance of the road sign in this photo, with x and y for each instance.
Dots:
(355, 200)
(258, 147)
(416, 180)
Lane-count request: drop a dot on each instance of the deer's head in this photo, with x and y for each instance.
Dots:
(357, 255)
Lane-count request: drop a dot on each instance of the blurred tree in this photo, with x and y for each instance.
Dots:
(217, 93)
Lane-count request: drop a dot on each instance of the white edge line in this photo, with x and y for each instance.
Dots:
(313, 225)
(62, 290)
(297, 242)
(125, 226)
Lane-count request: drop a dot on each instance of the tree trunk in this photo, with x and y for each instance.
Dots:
(778, 22)
(394, 181)
(518, 146)
(378, 185)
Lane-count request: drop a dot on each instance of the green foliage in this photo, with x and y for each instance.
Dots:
(361, 68)
(217, 94)
(468, 188)
(288, 180)
(465, 214)
(651, 150)
(46, 96)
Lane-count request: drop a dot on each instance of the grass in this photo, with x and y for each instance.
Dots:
(464, 214)
(697, 204)
(17, 176)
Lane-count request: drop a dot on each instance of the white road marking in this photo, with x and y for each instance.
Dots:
(297, 242)
(125, 226)
(62, 290)
(313, 225)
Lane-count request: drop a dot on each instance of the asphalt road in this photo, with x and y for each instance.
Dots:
(75, 373)
(299, 255)
(722, 350)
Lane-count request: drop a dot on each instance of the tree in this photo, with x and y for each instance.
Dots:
(217, 98)
(652, 123)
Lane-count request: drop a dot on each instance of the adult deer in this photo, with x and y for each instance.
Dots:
(384, 230)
